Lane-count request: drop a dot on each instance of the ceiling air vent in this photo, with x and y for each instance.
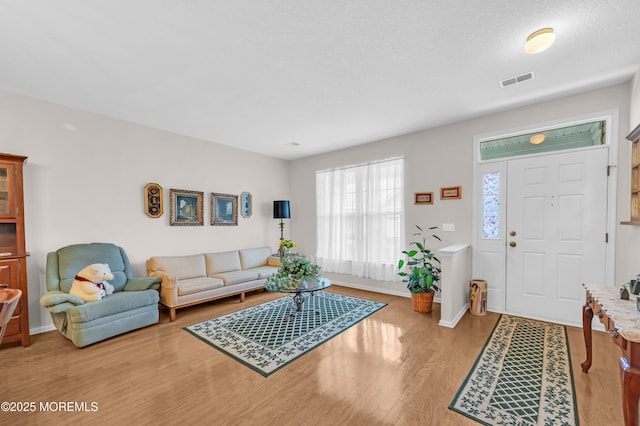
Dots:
(517, 79)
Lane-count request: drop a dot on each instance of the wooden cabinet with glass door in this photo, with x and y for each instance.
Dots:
(634, 137)
(13, 254)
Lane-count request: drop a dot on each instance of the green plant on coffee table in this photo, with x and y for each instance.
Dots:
(421, 271)
(296, 266)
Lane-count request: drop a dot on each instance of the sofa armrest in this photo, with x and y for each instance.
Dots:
(167, 280)
(58, 301)
(142, 283)
(274, 261)
(168, 288)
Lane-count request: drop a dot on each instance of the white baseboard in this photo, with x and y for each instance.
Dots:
(456, 319)
(43, 329)
(374, 289)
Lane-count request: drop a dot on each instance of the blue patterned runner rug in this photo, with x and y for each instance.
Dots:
(522, 377)
(267, 337)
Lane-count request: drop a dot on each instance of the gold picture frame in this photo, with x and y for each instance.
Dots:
(423, 198)
(186, 208)
(224, 209)
(153, 200)
(451, 193)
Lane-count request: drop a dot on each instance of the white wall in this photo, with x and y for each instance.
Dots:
(443, 156)
(634, 113)
(85, 176)
(84, 182)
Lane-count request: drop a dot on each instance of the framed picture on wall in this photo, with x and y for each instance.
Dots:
(224, 209)
(423, 198)
(153, 204)
(246, 204)
(186, 208)
(451, 193)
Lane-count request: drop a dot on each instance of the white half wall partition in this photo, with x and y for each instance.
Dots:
(455, 261)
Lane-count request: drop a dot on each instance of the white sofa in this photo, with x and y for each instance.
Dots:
(189, 280)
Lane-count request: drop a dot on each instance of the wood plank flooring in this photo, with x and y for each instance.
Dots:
(396, 367)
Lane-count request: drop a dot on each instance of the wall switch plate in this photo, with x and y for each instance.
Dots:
(448, 227)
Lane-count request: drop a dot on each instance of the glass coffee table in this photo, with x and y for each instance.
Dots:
(298, 289)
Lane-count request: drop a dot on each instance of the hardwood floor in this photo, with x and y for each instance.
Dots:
(396, 367)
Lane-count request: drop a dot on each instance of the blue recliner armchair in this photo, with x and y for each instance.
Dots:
(133, 304)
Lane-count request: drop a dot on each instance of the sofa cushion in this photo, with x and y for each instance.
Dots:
(274, 261)
(236, 277)
(265, 271)
(196, 285)
(225, 261)
(252, 258)
(113, 304)
(182, 267)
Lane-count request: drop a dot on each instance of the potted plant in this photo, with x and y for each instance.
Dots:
(421, 271)
(285, 246)
(295, 267)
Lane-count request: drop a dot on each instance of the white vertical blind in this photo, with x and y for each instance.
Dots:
(360, 213)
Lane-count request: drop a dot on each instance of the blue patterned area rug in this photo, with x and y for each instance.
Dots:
(267, 337)
(522, 377)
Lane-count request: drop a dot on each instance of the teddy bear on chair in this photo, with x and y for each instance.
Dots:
(90, 284)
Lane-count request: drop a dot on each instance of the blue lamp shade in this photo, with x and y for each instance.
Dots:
(281, 209)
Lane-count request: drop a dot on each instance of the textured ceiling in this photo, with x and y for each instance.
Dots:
(260, 75)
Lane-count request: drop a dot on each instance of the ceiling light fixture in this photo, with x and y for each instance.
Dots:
(539, 41)
(537, 139)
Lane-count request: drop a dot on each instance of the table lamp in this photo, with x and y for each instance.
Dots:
(281, 211)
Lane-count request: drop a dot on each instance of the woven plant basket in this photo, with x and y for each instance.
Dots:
(422, 302)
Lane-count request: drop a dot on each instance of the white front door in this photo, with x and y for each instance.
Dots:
(556, 217)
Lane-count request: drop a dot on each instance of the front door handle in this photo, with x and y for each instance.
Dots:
(512, 244)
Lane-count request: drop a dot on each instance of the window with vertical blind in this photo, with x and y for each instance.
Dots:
(360, 217)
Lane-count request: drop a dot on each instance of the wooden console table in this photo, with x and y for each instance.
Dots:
(622, 320)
